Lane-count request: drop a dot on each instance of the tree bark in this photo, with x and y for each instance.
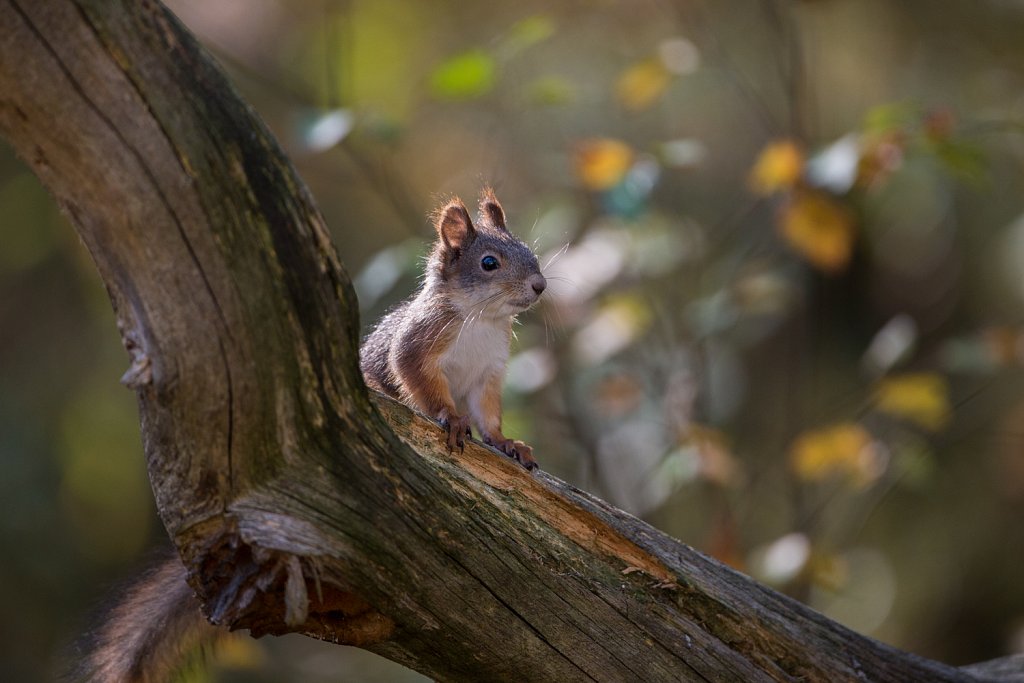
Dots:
(298, 501)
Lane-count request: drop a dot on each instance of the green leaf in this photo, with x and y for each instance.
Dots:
(963, 158)
(551, 91)
(530, 31)
(465, 76)
(889, 117)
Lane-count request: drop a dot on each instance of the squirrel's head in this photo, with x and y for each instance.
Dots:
(486, 270)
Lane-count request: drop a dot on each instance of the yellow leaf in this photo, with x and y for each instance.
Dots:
(829, 571)
(642, 84)
(602, 162)
(618, 395)
(618, 323)
(236, 652)
(717, 463)
(820, 229)
(841, 449)
(723, 542)
(777, 168)
(922, 398)
(1001, 344)
(880, 157)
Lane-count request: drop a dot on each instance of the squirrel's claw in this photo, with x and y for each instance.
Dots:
(517, 450)
(458, 432)
(524, 454)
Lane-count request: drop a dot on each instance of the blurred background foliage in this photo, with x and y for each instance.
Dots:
(786, 246)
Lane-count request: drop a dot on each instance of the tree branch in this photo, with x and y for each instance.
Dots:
(298, 502)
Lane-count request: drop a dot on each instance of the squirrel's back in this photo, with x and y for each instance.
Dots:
(375, 353)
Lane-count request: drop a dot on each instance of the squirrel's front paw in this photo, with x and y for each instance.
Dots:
(458, 431)
(515, 449)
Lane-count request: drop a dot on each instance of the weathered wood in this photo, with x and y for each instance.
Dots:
(299, 502)
(1005, 669)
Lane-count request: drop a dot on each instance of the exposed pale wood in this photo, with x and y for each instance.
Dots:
(298, 501)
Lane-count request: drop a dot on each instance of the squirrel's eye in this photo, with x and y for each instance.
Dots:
(489, 263)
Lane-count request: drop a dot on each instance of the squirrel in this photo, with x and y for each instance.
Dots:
(443, 352)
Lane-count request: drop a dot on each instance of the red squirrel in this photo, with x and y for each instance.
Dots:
(443, 351)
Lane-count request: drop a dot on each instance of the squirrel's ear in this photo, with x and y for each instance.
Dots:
(491, 213)
(453, 225)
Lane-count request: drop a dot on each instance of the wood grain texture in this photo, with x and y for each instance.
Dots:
(298, 501)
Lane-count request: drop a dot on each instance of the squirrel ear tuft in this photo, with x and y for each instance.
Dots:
(491, 213)
(453, 224)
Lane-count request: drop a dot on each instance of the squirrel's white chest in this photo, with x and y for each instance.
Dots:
(479, 350)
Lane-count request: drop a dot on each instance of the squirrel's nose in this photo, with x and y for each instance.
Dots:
(539, 284)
